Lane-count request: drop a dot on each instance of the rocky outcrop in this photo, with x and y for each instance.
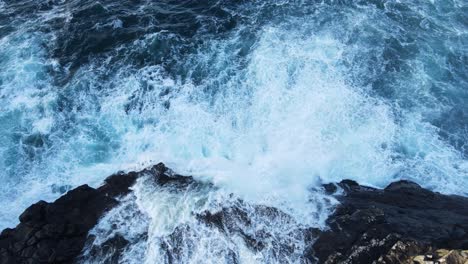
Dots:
(56, 232)
(393, 225)
(402, 223)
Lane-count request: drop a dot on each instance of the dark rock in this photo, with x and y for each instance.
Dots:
(109, 252)
(402, 185)
(41, 236)
(233, 220)
(403, 223)
(213, 219)
(34, 213)
(164, 176)
(119, 184)
(349, 183)
(391, 225)
(330, 188)
(56, 232)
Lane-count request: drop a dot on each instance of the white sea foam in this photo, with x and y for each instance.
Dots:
(267, 126)
(290, 124)
(160, 224)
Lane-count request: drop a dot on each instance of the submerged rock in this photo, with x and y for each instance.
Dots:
(392, 225)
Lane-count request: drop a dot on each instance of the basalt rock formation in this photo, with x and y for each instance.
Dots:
(392, 225)
(56, 232)
(402, 223)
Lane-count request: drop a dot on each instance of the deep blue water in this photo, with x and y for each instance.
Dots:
(266, 99)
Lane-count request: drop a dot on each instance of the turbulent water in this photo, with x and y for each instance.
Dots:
(264, 99)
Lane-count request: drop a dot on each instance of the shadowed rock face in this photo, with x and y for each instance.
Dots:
(56, 232)
(402, 223)
(391, 225)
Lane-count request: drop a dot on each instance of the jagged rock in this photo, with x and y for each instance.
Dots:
(392, 225)
(402, 223)
(113, 248)
(56, 232)
(232, 222)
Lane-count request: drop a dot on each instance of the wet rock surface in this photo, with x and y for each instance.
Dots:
(57, 232)
(392, 225)
(402, 223)
(233, 220)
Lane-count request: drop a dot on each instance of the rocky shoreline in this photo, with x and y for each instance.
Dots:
(402, 223)
(395, 225)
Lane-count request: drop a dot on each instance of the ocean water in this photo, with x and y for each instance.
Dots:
(266, 100)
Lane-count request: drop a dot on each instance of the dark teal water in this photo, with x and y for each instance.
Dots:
(265, 99)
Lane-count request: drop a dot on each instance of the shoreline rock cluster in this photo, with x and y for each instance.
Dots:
(56, 232)
(403, 223)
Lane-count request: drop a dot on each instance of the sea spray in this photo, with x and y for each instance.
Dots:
(264, 100)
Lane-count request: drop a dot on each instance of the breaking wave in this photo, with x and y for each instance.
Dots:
(266, 101)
